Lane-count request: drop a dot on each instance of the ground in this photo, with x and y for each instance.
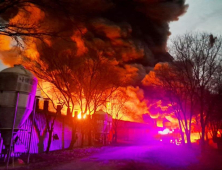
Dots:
(129, 157)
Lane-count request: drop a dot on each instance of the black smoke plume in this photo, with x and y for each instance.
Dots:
(135, 32)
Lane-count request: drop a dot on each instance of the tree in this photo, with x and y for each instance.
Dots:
(57, 75)
(83, 82)
(96, 80)
(22, 19)
(18, 22)
(171, 80)
(215, 117)
(115, 106)
(203, 53)
(49, 116)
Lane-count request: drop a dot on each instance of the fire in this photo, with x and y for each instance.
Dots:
(164, 117)
(116, 40)
(127, 103)
(159, 123)
(194, 137)
(134, 105)
(81, 116)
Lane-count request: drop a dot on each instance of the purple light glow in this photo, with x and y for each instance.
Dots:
(181, 156)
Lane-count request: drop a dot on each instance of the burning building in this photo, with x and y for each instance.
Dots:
(131, 34)
(124, 38)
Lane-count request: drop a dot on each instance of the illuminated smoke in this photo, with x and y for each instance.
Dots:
(132, 32)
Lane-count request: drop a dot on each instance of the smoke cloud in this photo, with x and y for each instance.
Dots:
(132, 32)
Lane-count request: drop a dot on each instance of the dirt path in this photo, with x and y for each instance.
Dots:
(110, 158)
(152, 157)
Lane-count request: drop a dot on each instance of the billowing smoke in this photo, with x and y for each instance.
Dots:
(133, 32)
(136, 31)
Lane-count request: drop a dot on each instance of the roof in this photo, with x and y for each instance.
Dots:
(18, 69)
